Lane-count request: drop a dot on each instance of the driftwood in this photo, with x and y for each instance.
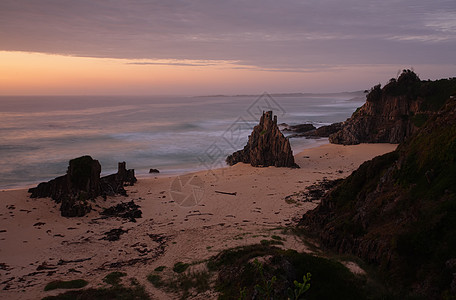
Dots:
(226, 193)
(64, 262)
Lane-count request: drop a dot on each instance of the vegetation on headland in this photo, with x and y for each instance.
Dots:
(262, 271)
(432, 94)
(398, 211)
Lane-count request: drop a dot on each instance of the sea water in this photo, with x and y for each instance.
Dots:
(40, 134)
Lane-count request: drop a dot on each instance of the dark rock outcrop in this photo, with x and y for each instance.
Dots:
(300, 128)
(129, 210)
(327, 130)
(267, 146)
(82, 183)
(114, 184)
(320, 132)
(393, 113)
(73, 190)
(393, 214)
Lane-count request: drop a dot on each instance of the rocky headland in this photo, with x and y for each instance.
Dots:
(398, 211)
(390, 114)
(393, 113)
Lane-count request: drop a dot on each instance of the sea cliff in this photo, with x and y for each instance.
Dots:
(393, 113)
(398, 210)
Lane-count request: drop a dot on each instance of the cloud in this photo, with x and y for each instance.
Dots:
(288, 35)
(183, 63)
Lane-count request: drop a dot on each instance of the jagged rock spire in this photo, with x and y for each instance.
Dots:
(267, 146)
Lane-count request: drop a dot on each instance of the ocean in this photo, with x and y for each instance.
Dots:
(40, 134)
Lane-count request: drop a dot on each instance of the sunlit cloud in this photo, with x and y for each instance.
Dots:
(156, 42)
(442, 21)
(181, 63)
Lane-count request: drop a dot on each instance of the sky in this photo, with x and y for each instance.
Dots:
(201, 47)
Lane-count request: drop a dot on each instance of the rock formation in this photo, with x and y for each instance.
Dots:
(266, 146)
(398, 211)
(300, 128)
(81, 183)
(114, 184)
(393, 113)
(309, 131)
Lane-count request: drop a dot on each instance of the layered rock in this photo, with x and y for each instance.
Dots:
(398, 211)
(81, 183)
(267, 146)
(393, 113)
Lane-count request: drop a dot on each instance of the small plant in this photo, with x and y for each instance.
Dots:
(300, 288)
(242, 294)
(114, 278)
(159, 269)
(60, 284)
(265, 290)
(271, 242)
(180, 267)
(276, 237)
(155, 280)
(134, 281)
(182, 283)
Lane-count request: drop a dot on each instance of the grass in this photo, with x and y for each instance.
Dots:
(237, 274)
(155, 279)
(270, 242)
(71, 284)
(183, 283)
(180, 267)
(276, 237)
(114, 278)
(113, 293)
(159, 269)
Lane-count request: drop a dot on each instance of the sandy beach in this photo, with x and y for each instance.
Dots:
(235, 206)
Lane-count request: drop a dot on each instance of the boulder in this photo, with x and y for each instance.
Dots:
(266, 146)
(300, 128)
(73, 190)
(82, 183)
(320, 132)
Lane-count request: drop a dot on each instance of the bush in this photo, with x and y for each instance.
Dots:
(72, 284)
(180, 267)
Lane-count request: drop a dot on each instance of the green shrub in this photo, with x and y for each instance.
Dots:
(155, 280)
(114, 278)
(72, 284)
(113, 293)
(180, 267)
(159, 269)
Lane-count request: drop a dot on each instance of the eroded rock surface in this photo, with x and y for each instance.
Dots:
(267, 146)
